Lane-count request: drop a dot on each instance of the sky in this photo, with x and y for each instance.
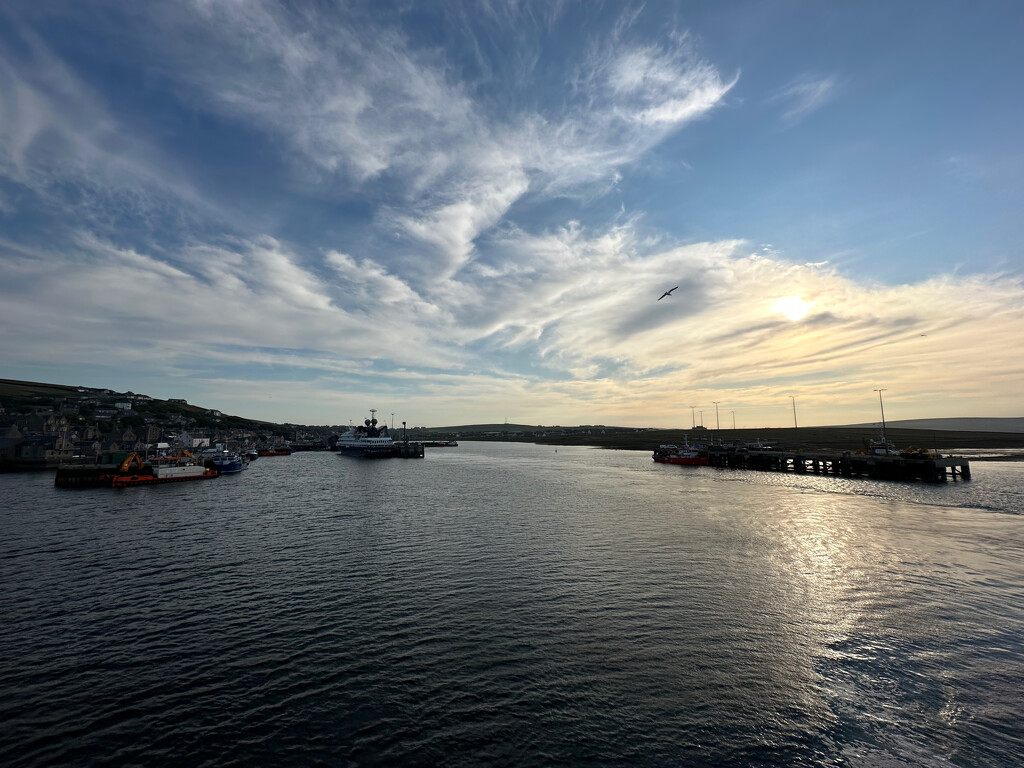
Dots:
(465, 212)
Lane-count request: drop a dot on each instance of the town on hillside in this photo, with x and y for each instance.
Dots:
(43, 426)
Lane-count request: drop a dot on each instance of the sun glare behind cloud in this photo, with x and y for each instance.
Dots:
(792, 307)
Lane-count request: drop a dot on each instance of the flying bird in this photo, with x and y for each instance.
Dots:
(666, 293)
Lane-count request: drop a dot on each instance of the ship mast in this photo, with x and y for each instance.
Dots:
(882, 407)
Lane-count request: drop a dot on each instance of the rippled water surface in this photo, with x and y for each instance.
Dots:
(509, 604)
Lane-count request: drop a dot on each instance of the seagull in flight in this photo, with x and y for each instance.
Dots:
(666, 293)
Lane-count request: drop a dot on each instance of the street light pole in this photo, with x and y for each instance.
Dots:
(882, 408)
(734, 419)
(718, 424)
(693, 417)
(793, 398)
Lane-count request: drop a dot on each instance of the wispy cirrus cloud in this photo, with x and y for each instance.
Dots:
(804, 95)
(64, 149)
(369, 105)
(355, 101)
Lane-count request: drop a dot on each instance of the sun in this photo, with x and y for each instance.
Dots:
(792, 307)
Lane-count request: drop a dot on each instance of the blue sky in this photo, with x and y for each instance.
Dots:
(465, 212)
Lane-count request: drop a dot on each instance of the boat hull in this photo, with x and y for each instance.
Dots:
(369, 452)
(684, 461)
(163, 475)
(229, 467)
(683, 456)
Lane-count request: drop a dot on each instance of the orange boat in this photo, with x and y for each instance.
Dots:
(154, 474)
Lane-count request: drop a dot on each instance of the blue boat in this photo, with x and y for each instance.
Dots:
(224, 462)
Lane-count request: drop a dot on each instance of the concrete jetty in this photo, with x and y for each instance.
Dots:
(930, 469)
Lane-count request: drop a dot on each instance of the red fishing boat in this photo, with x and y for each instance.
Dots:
(687, 455)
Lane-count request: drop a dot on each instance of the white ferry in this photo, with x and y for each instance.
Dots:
(368, 440)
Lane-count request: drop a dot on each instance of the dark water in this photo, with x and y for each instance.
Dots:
(511, 605)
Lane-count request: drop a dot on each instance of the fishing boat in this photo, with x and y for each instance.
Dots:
(225, 462)
(879, 447)
(274, 452)
(686, 455)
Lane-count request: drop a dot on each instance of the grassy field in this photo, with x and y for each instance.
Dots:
(12, 388)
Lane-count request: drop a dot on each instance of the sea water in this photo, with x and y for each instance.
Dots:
(513, 604)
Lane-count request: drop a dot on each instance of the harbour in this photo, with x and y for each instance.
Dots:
(691, 334)
(505, 604)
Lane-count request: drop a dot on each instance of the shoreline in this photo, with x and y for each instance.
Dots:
(1001, 446)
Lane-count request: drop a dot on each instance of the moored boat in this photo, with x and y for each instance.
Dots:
(163, 473)
(687, 455)
(225, 462)
(133, 471)
(880, 447)
(274, 452)
(368, 440)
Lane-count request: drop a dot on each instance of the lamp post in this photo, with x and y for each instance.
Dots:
(693, 417)
(733, 419)
(882, 408)
(718, 424)
(793, 398)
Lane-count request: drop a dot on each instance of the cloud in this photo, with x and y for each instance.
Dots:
(356, 104)
(804, 95)
(65, 153)
(418, 247)
(581, 305)
(359, 100)
(253, 296)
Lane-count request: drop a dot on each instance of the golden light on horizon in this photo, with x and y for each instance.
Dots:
(792, 307)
